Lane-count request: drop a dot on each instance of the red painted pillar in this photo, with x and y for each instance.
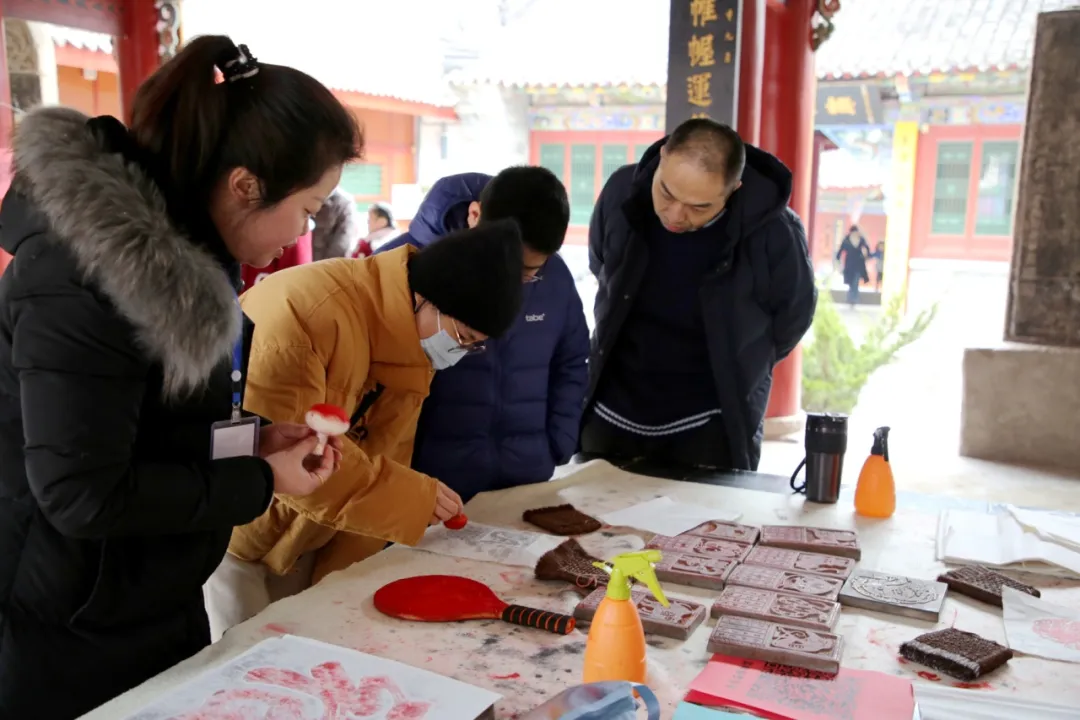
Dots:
(137, 48)
(751, 69)
(820, 143)
(787, 131)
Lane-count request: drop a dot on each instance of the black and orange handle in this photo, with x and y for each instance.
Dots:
(539, 619)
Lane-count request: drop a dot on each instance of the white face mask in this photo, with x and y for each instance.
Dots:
(441, 348)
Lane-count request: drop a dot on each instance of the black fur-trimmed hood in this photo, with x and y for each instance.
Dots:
(108, 212)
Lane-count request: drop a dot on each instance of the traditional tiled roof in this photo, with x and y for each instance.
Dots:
(577, 43)
(624, 42)
(387, 49)
(81, 39)
(885, 38)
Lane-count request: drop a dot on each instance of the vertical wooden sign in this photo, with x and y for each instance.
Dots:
(703, 61)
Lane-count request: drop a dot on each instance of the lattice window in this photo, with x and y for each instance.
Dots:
(553, 157)
(363, 179)
(997, 181)
(951, 188)
(613, 157)
(582, 183)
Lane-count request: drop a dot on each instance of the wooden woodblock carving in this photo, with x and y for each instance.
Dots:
(785, 581)
(844, 543)
(705, 547)
(678, 620)
(732, 532)
(776, 643)
(801, 611)
(806, 562)
(693, 570)
(894, 594)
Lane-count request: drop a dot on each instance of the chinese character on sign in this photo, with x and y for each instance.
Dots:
(840, 105)
(729, 37)
(703, 11)
(729, 15)
(699, 116)
(727, 58)
(700, 50)
(697, 89)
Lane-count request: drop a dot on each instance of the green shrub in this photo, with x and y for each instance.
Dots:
(835, 370)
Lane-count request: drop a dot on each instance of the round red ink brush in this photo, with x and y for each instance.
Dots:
(327, 421)
(457, 522)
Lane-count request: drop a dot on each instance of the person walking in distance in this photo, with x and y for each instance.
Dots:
(705, 283)
(854, 251)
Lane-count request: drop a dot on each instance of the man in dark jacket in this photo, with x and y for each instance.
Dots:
(508, 415)
(705, 283)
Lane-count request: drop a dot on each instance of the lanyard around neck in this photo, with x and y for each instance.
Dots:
(237, 376)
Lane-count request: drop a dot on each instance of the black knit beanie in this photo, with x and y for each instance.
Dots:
(473, 276)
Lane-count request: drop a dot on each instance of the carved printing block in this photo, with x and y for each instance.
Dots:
(785, 581)
(705, 547)
(823, 540)
(776, 643)
(809, 612)
(807, 562)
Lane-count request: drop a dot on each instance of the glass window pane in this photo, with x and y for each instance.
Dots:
(997, 180)
(364, 179)
(582, 183)
(951, 188)
(639, 150)
(613, 158)
(553, 157)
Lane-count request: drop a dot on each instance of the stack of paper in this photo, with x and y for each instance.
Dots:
(1025, 540)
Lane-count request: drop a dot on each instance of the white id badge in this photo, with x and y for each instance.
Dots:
(234, 439)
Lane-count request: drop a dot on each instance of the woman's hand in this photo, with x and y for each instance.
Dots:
(282, 436)
(447, 504)
(297, 471)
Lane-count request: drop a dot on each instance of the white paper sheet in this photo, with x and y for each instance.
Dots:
(489, 544)
(1000, 541)
(297, 678)
(666, 516)
(1052, 527)
(1034, 626)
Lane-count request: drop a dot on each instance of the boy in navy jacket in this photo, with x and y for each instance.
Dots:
(507, 415)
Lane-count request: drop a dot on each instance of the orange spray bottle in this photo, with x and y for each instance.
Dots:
(615, 649)
(875, 495)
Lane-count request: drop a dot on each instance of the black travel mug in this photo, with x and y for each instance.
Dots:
(826, 443)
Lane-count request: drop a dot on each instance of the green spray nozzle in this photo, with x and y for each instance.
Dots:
(638, 565)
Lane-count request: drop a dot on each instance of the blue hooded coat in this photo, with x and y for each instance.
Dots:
(509, 415)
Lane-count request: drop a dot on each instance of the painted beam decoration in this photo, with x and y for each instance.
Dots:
(703, 61)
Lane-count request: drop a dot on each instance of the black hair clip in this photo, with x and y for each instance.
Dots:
(243, 66)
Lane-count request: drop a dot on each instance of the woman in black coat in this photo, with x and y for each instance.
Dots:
(122, 354)
(855, 251)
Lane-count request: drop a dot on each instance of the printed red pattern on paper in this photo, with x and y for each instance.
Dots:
(1059, 630)
(833, 697)
(341, 698)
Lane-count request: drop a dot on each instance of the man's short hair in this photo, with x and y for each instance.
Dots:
(716, 147)
(536, 199)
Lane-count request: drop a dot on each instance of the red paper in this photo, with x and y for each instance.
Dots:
(780, 692)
